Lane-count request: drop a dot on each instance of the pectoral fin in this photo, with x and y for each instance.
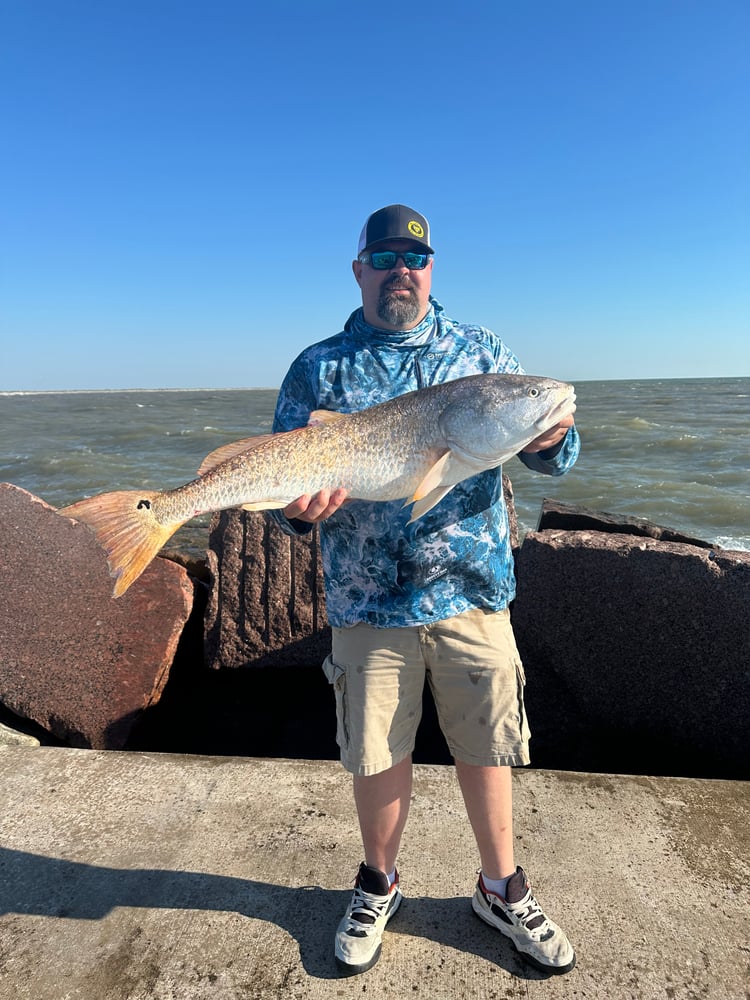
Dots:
(432, 489)
(427, 502)
(450, 468)
(435, 477)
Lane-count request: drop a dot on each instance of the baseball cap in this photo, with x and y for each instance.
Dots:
(395, 222)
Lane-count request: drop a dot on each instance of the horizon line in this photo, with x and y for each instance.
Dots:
(262, 388)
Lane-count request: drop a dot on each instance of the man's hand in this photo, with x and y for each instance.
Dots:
(317, 507)
(552, 436)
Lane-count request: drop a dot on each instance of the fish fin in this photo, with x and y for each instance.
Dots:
(323, 417)
(427, 502)
(266, 505)
(456, 465)
(231, 450)
(434, 477)
(127, 529)
(235, 448)
(449, 469)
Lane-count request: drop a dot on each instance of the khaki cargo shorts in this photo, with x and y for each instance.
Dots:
(474, 671)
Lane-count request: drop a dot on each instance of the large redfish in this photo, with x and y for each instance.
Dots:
(416, 447)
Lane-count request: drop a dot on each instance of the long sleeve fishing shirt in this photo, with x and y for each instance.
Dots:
(378, 568)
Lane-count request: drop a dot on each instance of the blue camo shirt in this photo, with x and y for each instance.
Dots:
(379, 569)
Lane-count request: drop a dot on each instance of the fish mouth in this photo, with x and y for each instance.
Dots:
(562, 408)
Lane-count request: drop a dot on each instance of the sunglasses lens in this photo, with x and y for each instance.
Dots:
(384, 260)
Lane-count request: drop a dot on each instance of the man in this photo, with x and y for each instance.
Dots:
(429, 599)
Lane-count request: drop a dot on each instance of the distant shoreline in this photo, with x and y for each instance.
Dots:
(274, 388)
(73, 392)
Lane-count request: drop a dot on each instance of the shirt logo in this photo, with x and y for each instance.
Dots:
(415, 229)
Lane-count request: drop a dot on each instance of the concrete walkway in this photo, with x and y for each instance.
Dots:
(127, 876)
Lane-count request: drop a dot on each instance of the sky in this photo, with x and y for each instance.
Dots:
(184, 182)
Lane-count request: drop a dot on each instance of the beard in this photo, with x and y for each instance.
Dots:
(398, 310)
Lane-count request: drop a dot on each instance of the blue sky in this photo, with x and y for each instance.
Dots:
(184, 182)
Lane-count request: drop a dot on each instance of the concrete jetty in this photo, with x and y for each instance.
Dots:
(140, 876)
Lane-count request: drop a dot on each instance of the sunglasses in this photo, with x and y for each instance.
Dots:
(384, 260)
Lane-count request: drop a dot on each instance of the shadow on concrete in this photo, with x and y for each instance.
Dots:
(36, 885)
(451, 923)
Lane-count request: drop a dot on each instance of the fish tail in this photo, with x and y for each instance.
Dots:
(128, 530)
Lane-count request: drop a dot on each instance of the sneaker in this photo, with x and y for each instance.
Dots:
(521, 918)
(359, 935)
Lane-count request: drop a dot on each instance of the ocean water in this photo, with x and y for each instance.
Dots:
(672, 451)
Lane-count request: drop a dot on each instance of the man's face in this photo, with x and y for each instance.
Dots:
(397, 299)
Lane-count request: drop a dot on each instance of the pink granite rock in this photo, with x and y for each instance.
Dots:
(646, 639)
(573, 517)
(266, 606)
(73, 659)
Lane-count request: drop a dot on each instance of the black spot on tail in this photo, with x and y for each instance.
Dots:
(144, 503)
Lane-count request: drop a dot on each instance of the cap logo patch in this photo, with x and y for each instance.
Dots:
(415, 229)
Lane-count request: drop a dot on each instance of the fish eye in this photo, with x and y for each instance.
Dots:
(533, 391)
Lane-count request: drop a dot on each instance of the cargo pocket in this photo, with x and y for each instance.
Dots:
(336, 677)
